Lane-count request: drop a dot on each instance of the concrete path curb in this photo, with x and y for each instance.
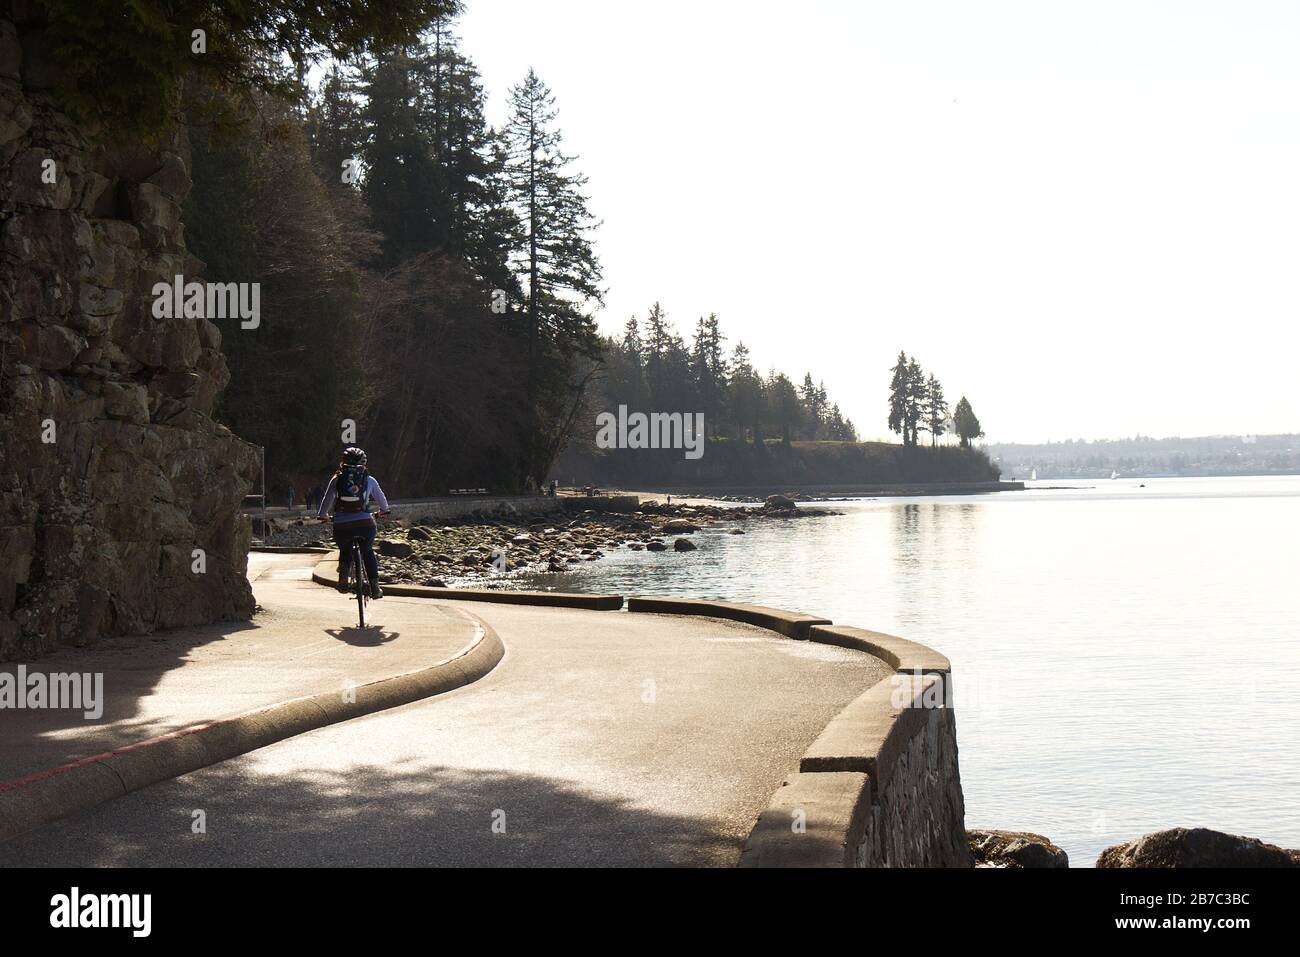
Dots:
(326, 573)
(902, 655)
(792, 624)
(38, 799)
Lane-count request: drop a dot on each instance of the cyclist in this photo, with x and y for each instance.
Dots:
(350, 490)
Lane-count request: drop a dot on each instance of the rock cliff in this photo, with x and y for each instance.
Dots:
(119, 494)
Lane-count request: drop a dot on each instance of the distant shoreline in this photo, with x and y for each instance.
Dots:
(758, 492)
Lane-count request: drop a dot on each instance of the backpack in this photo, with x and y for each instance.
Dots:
(350, 489)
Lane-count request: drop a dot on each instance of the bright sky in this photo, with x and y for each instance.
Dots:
(1082, 214)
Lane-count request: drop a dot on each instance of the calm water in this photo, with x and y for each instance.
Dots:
(1126, 659)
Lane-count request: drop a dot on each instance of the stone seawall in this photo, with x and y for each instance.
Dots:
(917, 810)
(881, 785)
(119, 494)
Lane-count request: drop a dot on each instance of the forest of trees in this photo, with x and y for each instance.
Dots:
(424, 275)
(433, 278)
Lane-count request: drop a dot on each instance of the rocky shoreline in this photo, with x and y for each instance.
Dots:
(429, 551)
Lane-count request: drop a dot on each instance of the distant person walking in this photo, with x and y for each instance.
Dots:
(290, 496)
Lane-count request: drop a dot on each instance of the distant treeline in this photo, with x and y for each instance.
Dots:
(1145, 457)
(727, 461)
(651, 368)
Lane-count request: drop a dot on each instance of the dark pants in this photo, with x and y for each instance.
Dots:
(364, 532)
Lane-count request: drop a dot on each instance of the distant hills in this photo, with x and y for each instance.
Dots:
(1143, 457)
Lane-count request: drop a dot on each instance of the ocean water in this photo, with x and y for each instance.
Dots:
(1126, 654)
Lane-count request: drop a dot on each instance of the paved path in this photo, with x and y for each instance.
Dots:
(601, 738)
(300, 643)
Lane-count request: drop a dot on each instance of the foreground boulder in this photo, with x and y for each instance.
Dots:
(391, 549)
(778, 502)
(1014, 849)
(1197, 847)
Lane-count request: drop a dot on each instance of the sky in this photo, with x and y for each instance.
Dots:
(1084, 216)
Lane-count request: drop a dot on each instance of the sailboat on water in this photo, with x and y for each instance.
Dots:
(1113, 475)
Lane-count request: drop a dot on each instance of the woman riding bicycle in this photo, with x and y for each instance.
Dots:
(350, 491)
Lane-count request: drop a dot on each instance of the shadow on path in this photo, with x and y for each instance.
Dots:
(373, 816)
(368, 637)
(137, 663)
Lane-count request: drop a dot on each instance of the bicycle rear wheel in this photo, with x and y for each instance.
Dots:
(359, 576)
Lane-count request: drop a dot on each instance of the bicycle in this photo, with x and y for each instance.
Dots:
(360, 576)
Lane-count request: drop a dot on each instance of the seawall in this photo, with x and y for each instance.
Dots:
(881, 785)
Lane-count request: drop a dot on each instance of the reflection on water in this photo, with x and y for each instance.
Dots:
(1126, 658)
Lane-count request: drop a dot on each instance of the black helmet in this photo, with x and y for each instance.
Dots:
(354, 456)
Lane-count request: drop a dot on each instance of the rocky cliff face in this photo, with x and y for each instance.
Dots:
(118, 492)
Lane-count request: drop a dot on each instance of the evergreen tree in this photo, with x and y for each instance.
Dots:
(258, 212)
(745, 395)
(125, 63)
(708, 368)
(784, 405)
(838, 428)
(658, 342)
(966, 423)
(556, 267)
(814, 404)
(915, 399)
(335, 127)
(936, 409)
(402, 184)
(898, 389)
(472, 215)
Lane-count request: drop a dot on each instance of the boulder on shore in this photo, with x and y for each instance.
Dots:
(778, 501)
(1197, 847)
(679, 526)
(683, 545)
(1014, 849)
